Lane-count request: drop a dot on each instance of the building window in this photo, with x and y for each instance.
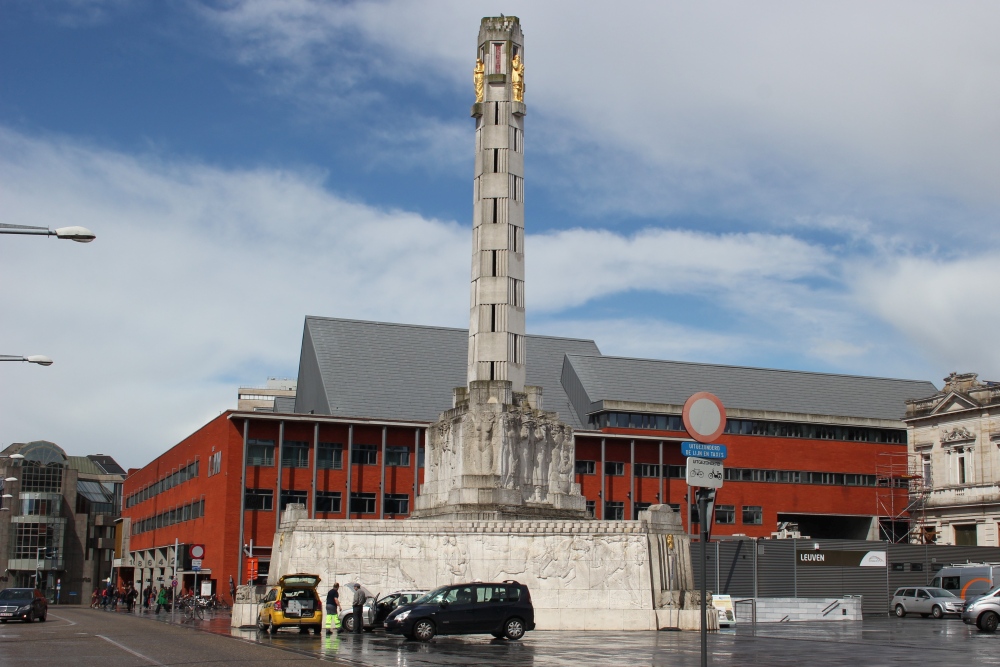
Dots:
(961, 472)
(647, 470)
(614, 511)
(925, 460)
(397, 455)
(42, 478)
(260, 452)
(753, 515)
(585, 467)
(591, 508)
(295, 454)
(725, 514)
(614, 468)
(363, 503)
(328, 501)
(396, 503)
(676, 507)
(293, 497)
(330, 456)
(259, 499)
(965, 535)
(639, 507)
(364, 455)
(215, 464)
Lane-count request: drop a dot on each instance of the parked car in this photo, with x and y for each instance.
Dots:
(25, 604)
(926, 601)
(984, 612)
(293, 603)
(500, 609)
(377, 608)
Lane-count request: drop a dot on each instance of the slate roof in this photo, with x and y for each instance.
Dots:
(672, 382)
(352, 368)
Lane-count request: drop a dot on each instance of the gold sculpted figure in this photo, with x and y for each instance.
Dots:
(517, 79)
(477, 77)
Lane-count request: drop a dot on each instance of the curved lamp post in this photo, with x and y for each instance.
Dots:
(39, 359)
(78, 234)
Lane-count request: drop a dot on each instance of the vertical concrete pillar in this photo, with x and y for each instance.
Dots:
(603, 487)
(277, 496)
(315, 466)
(631, 470)
(416, 466)
(381, 484)
(347, 464)
(243, 499)
(660, 495)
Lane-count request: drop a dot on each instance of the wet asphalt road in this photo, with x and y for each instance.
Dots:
(75, 636)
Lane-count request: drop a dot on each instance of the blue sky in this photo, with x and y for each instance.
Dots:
(792, 185)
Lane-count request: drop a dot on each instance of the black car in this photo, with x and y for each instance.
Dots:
(501, 610)
(23, 604)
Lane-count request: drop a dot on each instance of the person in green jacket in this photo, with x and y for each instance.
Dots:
(161, 599)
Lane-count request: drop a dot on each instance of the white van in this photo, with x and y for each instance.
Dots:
(968, 580)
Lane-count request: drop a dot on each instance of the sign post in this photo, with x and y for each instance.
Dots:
(197, 552)
(704, 419)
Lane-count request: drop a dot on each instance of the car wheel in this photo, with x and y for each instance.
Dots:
(30, 617)
(988, 622)
(937, 612)
(348, 623)
(260, 624)
(44, 617)
(514, 629)
(423, 630)
(900, 612)
(272, 628)
(317, 630)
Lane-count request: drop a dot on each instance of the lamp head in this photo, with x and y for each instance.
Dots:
(78, 234)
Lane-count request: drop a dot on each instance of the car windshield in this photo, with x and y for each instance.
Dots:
(16, 594)
(434, 596)
(940, 593)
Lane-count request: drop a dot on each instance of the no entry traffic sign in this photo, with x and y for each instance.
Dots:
(704, 417)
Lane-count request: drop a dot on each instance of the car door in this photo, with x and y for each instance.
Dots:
(268, 608)
(922, 602)
(491, 607)
(454, 615)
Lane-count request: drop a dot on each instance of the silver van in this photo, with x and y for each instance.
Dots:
(968, 580)
(984, 612)
(926, 601)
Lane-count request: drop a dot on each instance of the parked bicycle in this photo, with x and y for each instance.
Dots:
(190, 608)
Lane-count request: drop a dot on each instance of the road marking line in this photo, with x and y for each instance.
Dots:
(62, 619)
(128, 650)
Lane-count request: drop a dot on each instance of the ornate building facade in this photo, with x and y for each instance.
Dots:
(954, 441)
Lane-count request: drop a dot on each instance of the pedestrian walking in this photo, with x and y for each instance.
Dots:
(359, 609)
(130, 597)
(161, 599)
(333, 609)
(147, 593)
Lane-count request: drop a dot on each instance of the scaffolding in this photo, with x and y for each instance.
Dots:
(900, 498)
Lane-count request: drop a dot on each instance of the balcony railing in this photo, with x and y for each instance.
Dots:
(966, 494)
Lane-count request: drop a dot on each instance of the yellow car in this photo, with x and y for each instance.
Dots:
(293, 603)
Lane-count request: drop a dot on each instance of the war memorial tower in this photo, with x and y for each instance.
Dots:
(496, 454)
(498, 500)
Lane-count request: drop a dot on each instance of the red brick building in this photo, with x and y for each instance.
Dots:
(804, 448)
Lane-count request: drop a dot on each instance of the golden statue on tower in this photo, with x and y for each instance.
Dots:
(477, 77)
(517, 79)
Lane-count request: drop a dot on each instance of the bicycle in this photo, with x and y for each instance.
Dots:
(191, 609)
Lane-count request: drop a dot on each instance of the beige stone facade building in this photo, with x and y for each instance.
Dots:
(954, 442)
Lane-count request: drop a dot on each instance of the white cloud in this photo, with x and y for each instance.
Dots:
(769, 112)
(947, 308)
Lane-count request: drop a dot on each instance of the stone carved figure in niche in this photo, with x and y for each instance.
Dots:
(453, 559)
(543, 455)
(517, 78)
(509, 461)
(561, 468)
(486, 430)
(478, 73)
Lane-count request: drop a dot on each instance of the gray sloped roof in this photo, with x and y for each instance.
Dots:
(352, 368)
(672, 382)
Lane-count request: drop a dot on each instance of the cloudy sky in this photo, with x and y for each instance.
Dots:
(785, 184)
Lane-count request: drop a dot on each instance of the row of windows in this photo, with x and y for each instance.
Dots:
(754, 427)
(262, 500)
(753, 515)
(295, 454)
(190, 471)
(617, 469)
(42, 478)
(193, 510)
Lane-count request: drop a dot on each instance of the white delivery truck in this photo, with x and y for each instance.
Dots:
(968, 580)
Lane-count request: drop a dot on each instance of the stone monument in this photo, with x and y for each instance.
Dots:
(498, 499)
(496, 454)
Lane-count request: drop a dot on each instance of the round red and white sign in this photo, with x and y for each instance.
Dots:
(197, 551)
(704, 417)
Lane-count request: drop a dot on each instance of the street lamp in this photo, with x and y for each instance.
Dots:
(39, 359)
(75, 233)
